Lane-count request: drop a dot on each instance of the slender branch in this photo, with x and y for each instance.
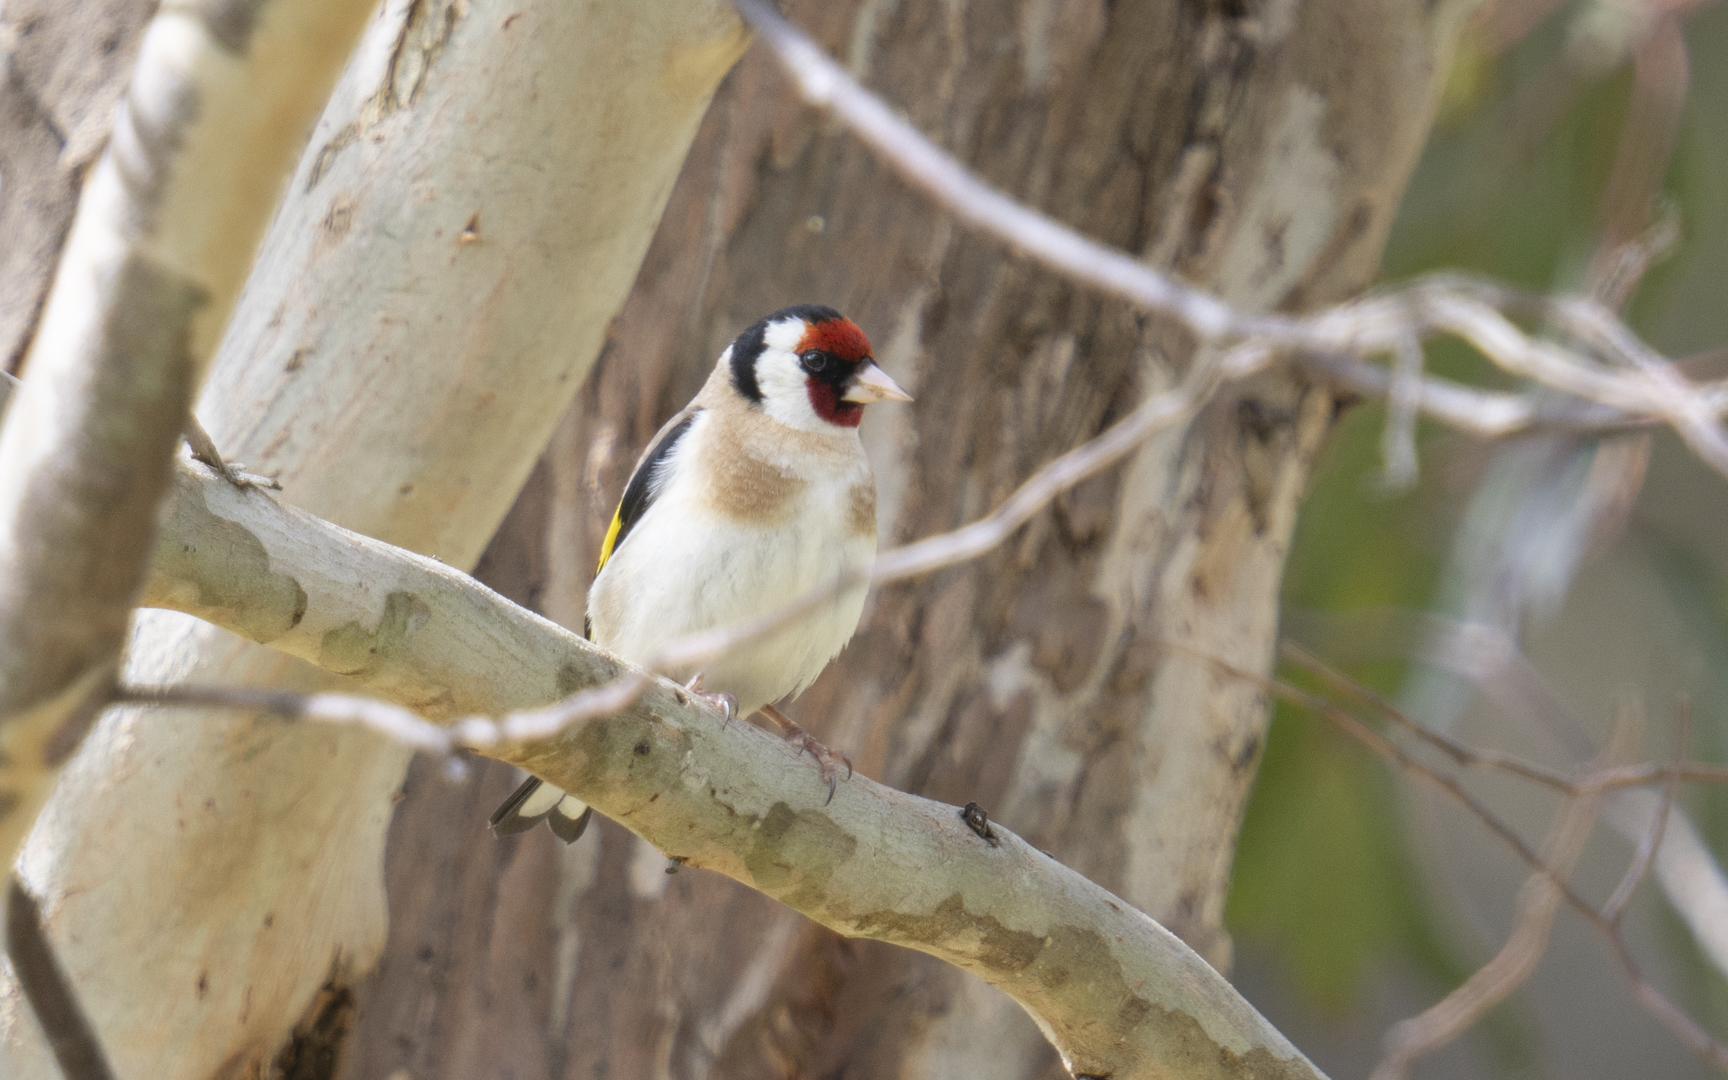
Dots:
(1464, 755)
(390, 721)
(1538, 900)
(1403, 399)
(1510, 968)
(398, 723)
(1157, 413)
(1652, 841)
(1597, 779)
(1486, 414)
(1666, 1012)
(1645, 775)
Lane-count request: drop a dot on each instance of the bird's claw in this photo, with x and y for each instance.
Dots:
(726, 703)
(825, 758)
(803, 740)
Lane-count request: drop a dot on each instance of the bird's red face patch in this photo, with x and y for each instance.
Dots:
(841, 337)
(825, 400)
(842, 340)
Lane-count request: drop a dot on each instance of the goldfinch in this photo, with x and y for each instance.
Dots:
(756, 493)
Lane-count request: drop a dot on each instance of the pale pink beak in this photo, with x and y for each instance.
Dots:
(873, 384)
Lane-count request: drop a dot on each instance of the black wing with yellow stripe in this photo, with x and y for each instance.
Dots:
(639, 493)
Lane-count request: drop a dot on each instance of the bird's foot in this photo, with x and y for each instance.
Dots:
(726, 703)
(803, 740)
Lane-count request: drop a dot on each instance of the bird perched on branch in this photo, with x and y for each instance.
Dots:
(755, 494)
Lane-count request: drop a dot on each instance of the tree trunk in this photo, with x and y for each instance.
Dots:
(467, 218)
(1261, 155)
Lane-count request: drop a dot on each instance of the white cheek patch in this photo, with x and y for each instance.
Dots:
(785, 395)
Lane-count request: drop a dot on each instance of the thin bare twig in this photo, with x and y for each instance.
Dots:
(1445, 1020)
(1691, 772)
(1596, 780)
(1403, 400)
(1487, 414)
(1460, 753)
(391, 721)
(404, 725)
(1378, 325)
(1671, 1016)
(1495, 981)
(1652, 840)
(1156, 413)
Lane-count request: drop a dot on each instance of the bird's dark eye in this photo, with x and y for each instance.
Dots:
(815, 361)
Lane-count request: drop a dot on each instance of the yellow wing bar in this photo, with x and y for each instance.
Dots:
(612, 532)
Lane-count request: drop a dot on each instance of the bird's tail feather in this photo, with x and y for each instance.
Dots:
(537, 801)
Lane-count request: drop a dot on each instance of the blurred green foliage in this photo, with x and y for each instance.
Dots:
(1509, 187)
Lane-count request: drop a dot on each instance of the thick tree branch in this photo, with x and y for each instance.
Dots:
(730, 797)
(1117, 993)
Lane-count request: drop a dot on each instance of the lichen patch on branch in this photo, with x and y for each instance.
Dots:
(240, 591)
(796, 854)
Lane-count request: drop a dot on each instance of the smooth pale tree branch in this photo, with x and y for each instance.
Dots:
(431, 638)
(485, 646)
(1116, 993)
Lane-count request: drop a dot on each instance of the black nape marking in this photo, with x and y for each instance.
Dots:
(751, 342)
(640, 491)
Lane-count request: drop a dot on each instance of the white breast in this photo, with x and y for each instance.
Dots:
(687, 567)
